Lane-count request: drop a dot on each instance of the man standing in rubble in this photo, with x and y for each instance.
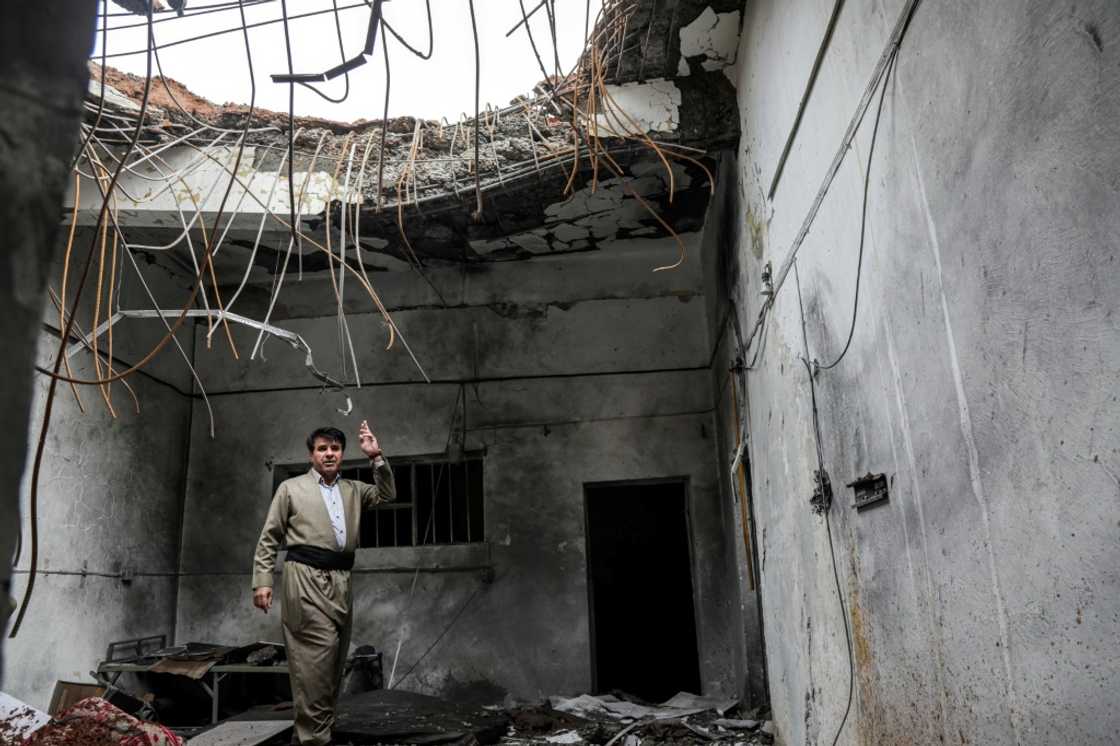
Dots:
(317, 518)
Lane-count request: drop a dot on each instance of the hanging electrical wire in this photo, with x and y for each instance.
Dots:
(431, 33)
(863, 219)
(600, 130)
(599, 103)
(824, 490)
(822, 500)
(291, 133)
(342, 55)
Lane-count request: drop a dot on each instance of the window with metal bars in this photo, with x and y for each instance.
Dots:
(438, 502)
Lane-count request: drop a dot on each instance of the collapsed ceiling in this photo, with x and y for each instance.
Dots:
(555, 174)
(619, 151)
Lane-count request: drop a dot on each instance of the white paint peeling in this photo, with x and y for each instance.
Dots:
(713, 36)
(636, 108)
(320, 185)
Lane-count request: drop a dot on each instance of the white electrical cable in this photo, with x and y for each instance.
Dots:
(151, 296)
(260, 229)
(291, 243)
(369, 286)
(342, 273)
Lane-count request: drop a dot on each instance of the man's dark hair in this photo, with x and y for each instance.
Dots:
(332, 434)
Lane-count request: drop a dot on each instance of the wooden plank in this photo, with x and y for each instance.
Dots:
(67, 693)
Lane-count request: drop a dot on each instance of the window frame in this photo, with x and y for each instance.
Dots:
(399, 463)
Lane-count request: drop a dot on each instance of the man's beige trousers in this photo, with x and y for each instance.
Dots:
(316, 616)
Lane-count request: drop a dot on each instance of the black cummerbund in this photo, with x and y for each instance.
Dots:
(318, 557)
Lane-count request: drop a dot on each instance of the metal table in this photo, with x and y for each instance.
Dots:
(113, 671)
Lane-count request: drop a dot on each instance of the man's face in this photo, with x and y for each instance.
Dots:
(326, 457)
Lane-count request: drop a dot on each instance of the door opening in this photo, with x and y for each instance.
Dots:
(639, 578)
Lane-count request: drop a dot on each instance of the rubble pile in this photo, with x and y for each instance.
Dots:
(625, 721)
(419, 159)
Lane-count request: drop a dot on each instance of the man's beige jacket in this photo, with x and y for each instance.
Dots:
(298, 515)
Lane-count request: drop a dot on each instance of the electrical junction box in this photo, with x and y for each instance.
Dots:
(871, 489)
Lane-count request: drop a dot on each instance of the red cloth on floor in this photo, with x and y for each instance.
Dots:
(95, 722)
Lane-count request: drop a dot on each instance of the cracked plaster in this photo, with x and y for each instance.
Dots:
(654, 106)
(599, 213)
(711, 36)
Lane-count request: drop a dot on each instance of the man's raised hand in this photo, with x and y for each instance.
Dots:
(367, 442)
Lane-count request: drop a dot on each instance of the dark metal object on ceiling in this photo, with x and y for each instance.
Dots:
(140, 7)
(346, 66)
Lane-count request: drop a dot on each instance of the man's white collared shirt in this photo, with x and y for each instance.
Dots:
(332, 498)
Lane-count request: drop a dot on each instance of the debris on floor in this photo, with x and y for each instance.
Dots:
(620, 721)
(537, 723)
(396, 717)
(679, 706)
(95, 722)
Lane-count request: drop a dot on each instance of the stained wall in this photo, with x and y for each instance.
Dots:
(981, 598)
(574, 369)
(110, 497)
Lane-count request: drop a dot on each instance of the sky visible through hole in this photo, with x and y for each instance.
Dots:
(443, 86)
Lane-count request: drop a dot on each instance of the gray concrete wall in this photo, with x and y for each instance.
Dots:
(576, 369)
(110, 501)
(720, 232)
(43, 63)
(983, 597)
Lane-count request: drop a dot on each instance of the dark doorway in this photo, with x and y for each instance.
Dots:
(639, 576)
